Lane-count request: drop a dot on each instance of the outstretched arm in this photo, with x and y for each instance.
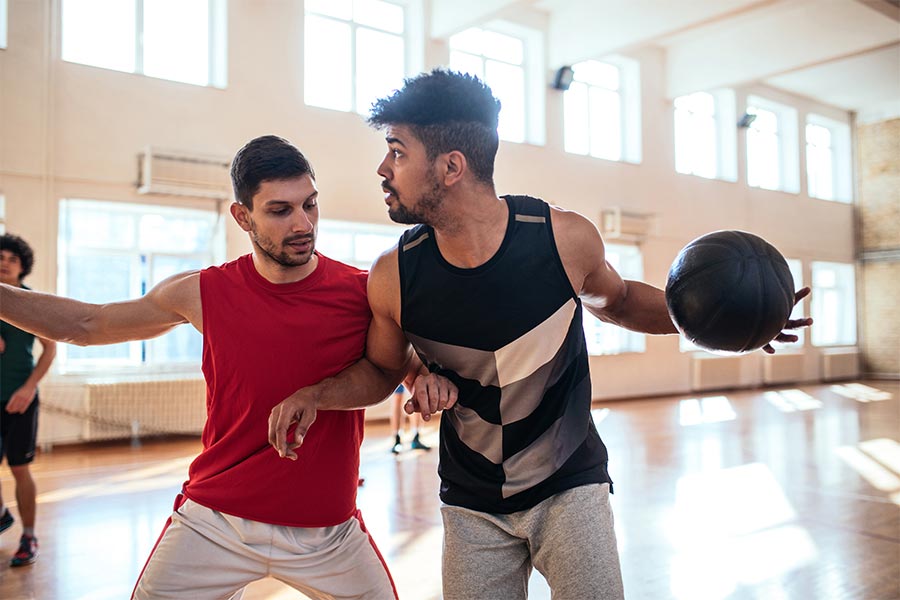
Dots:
(173, 301)
(630, 304)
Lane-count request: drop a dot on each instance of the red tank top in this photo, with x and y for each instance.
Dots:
(261, 342)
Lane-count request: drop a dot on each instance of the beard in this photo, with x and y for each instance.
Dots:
(425, 210)
(280, 253)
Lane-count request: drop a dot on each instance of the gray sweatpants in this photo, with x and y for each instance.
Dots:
(569, 538)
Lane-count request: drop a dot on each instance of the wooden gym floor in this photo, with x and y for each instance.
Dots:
(787, 493)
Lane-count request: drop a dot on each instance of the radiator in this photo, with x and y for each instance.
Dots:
(840, 364)
(715, 372)
(783, 367)
(111, 409)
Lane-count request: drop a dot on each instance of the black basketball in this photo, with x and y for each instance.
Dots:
(730, 291)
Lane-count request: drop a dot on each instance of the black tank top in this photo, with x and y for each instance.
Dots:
(508, 333)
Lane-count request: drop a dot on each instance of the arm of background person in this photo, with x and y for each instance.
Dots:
(173, 301)
(22, 398)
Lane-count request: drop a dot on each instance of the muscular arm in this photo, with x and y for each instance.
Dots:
(173, 301)
(633, 305)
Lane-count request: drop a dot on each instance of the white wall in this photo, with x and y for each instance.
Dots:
(69, 130)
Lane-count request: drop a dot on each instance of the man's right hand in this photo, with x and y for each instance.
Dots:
(299, 408)
(431, 393)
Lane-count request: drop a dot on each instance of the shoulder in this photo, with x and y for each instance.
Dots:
(178, 293)
(578, 242)
(384, 283)
(346, 274)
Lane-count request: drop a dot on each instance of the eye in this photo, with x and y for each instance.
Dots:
(396, 153)
(311, 204)
(280, 211)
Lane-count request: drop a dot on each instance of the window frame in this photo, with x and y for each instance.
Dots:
(841, 159)
(630, 108)
(788, 137)
(724, 117)
(4, 24)
(413, 48)
(847, 290)
(217, 62)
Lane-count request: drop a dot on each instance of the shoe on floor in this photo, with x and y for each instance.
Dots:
(6, 520)
(27, 552)
(398, 446)
(418, 445)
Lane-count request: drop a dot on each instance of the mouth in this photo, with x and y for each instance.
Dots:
(302, 245)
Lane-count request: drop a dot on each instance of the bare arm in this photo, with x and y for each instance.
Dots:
(173, 301)
(22, 398)
(633, 305)
(368, 381)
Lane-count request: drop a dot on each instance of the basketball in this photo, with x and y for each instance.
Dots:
(730, 291)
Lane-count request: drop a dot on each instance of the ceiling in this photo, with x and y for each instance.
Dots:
(844, 53)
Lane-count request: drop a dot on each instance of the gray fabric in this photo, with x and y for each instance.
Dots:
(569, 538)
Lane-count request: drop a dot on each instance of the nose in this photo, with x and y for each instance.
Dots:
(303, 223)
(383, 169)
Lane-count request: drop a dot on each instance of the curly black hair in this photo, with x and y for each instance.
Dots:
(20, 248)
(446, 111)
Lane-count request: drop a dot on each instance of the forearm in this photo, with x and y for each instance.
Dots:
(642, 308)
(42, 366)
(45, 315)
(358, 386)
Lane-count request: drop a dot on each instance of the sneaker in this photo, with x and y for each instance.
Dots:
(418, 445)
(6, 521)
(27, 552)
(397, 447)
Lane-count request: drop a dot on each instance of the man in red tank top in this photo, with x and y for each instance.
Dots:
(273, 321)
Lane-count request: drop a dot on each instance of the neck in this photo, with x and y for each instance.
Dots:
(472, 230)
(275, 272)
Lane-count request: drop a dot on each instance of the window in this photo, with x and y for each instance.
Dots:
(508, 59)
(2, 214)
(355, 51)
(179, 40)
(3, 10)
(357, 244)
(705, 135)
(796, 267)
(605, 338)
(828, 159)
(772, 152)
(602, 110)
(111, 251)
(833, 304)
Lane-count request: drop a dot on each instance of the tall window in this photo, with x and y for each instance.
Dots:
(357, 244)
(605, 338)
(705, 135)
(179, 40)
(828, 159)
(355, 52)
(833, 304)
(772, 153)
(602, 110)
(498, 59)
(111, 251)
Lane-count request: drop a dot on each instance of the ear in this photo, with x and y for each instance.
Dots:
(453, 167)
(241, 215)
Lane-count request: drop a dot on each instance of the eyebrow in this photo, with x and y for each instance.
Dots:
(393, 140)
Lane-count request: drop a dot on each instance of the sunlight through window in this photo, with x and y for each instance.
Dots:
(714, 409)
(792, 400)
(873, 472)
(861, 392)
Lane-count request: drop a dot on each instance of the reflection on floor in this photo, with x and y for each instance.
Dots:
(787, 493)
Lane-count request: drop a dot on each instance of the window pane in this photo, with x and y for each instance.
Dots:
(508, 85)
(335, 244)
(502, 47)
(598, 73)
(762, 159)
(378, 14)
(468, 41)
(100, 33)
(100, 227)
(766, 121)
(379, 66)
(467, 63)
(184, 343)
(369, 246)
(327, 63)
(161, 232)
(606, 124)
(576, 111)
(176, 40)
(833, 304)
(341, 9)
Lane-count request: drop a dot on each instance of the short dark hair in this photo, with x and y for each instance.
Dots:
(266, 158)
(446, 111)
(20, 248)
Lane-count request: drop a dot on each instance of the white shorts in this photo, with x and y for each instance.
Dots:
(204, 554)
